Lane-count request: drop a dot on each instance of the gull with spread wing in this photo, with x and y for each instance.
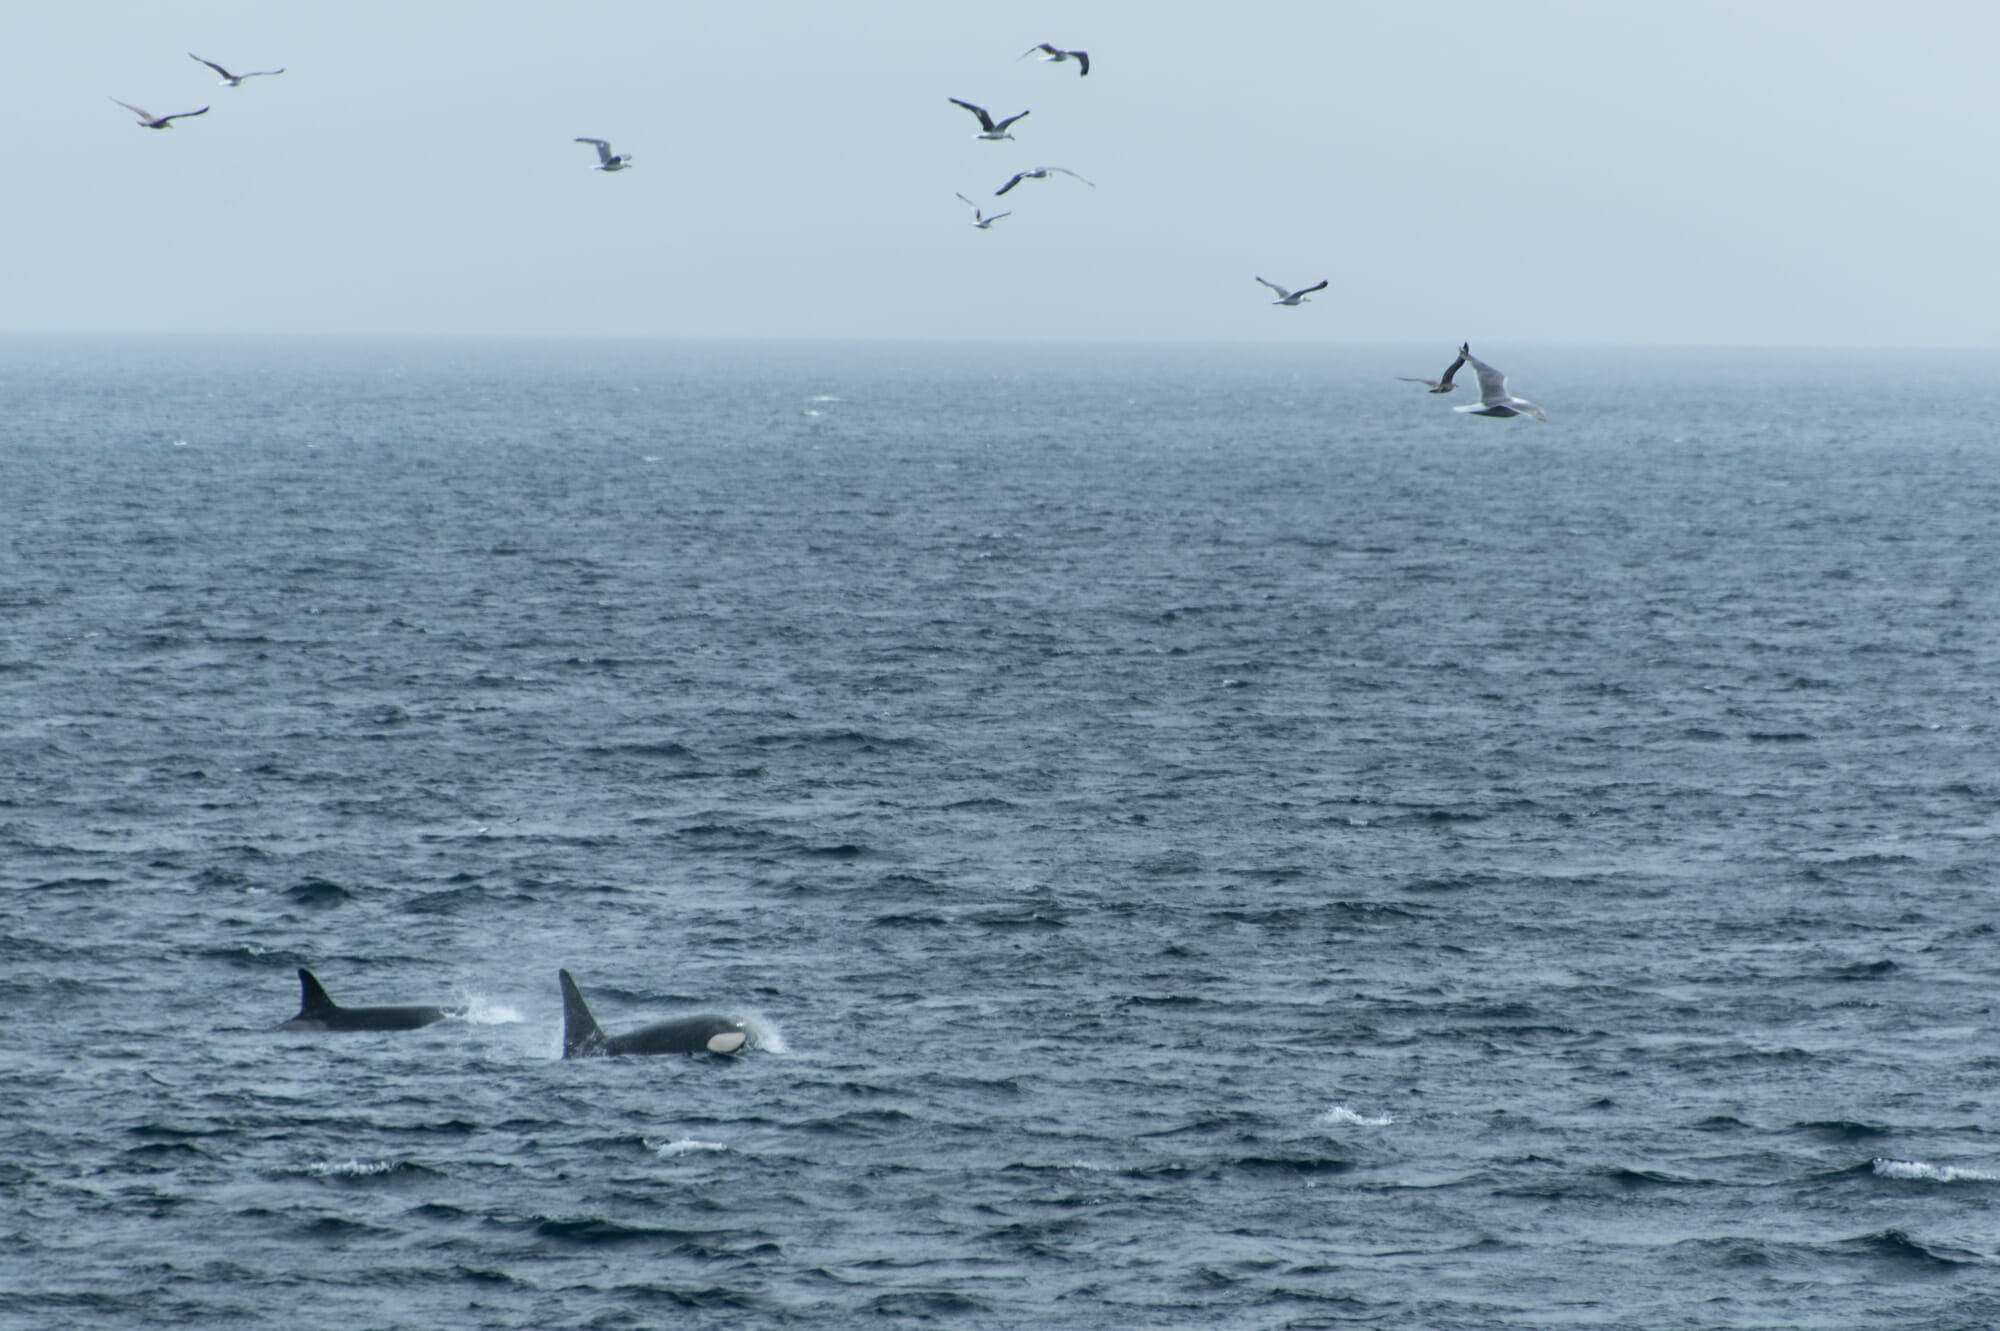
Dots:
(230, 80)
(979, 219)
(606, 159)
(1039, 173)
(1494, 399)
(148, 120)
(1055, 55)
(1444, 385)
(1293, 297)
(988, 128)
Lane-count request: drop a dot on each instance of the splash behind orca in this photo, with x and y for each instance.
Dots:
(703, 1034)
(318, 1012)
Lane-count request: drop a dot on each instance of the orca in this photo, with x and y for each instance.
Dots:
(317, 1012)
(702, 1034)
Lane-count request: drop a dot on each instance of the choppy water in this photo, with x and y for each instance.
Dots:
(1212, 838)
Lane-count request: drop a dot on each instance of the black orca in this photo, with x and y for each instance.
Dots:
(703, 1034)
(317, 1012)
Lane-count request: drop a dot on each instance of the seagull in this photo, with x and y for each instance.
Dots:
(1055, 56)
(608, 160)
(1494, 399)
(230, 80)
(150, 121)
(986, 125)
(1039, 173)
(1444, 385)
(1293, 297)
(979, 219)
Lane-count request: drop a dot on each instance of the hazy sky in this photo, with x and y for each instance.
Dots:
(1802, 172)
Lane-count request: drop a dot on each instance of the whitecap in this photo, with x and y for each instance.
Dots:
(486, 1012)
(685, 1146)
(349, 1168)
(1918, 1169)
(1342, 1116)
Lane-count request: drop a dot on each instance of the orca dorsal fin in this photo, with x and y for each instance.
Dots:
(581, 1036)
(314, 1005)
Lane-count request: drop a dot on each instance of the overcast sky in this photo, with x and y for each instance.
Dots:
(1722, 172)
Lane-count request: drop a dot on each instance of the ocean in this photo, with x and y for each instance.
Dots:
(1204, 836)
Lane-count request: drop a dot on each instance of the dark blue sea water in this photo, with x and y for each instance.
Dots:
(1208, 837)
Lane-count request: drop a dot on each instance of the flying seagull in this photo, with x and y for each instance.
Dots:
(1055, 56)
(608, 160)
(988, 130)
(1039, 173)
(150, 121)
(1494, 399)
(1444, 385)
(1293, 297)
(230, 80)
(979, 219)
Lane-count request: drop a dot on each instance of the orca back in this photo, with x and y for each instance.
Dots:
(318, 1012)
(705, 1034)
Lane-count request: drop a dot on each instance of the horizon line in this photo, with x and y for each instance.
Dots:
(963, 341)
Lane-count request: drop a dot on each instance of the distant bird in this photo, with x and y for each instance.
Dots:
(979, 219)
(988, 129)
(230, 80)
(1055, 56)
(1444, 385)
(1039, 173)
(150, 121)
(608, 160)
(1494, 399)
(1293, 297)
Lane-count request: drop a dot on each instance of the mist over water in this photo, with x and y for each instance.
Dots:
(1204, 837)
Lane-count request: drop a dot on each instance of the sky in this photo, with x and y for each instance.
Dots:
(1576, 172)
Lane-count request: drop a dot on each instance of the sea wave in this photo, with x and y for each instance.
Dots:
(1342, 1116)
(685, 1146)
(1919, 1169)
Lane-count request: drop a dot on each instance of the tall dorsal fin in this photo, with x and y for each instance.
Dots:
(581, 1036)
(314, 1005)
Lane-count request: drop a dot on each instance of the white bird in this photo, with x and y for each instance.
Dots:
(1039, 173)
(1055, 56)
(1494, 399)
(988, 129)
(230, 80)
(150, 121)
(979, 219)
(608, 160)
(1444, 385)
(1293, 297)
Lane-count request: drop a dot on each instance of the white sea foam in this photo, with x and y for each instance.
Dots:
(486, 1012)
(685, 1146)
(1918, 1169)
(765, 1035)
(349, 1168)
(1342, 1116)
